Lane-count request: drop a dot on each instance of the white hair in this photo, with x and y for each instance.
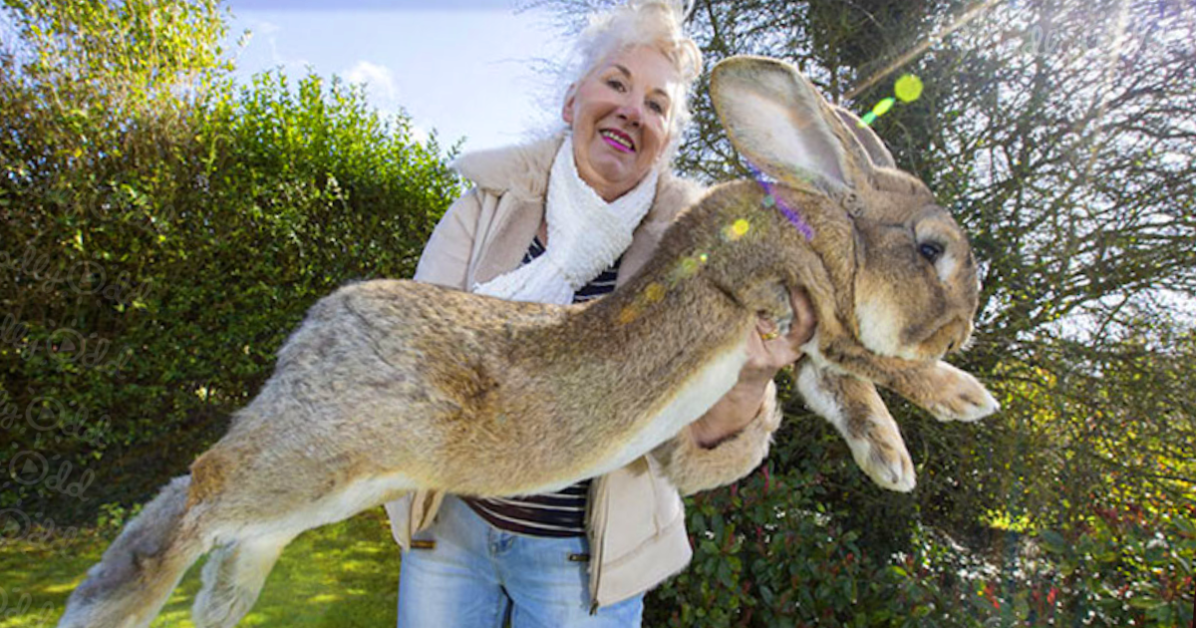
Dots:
(657, 24)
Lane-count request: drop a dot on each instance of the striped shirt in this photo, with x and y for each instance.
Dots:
(562, 513)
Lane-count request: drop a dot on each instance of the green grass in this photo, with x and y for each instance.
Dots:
(342, 576)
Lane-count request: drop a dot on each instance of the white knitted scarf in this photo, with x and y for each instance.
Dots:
(585, 236)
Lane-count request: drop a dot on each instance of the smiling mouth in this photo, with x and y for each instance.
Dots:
(619, 141)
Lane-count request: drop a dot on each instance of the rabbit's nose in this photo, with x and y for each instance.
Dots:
(961, 330)
(947, 337)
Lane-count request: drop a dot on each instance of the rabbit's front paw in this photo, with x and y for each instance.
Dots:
(855, 408)
(957, 396)
(882, 455)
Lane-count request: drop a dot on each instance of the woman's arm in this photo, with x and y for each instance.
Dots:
(733, 437)
(445, 260)
(765, 357)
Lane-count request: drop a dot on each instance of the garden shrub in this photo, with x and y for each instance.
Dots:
(162, 237)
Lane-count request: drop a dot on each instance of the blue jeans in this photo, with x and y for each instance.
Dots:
(478, 576)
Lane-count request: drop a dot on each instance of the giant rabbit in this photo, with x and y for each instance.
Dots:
(389, 386)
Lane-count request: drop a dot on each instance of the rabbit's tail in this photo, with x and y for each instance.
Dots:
(129, 585)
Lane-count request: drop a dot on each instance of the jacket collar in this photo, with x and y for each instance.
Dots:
(522, 169)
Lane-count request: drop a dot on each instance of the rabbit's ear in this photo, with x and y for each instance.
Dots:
(775, 117)
(869, 140)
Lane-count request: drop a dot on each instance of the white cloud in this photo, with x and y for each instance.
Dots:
(266, 28)
(269, 31)
(266, 49)
(258, 49)
(421, 134)
(380, 84)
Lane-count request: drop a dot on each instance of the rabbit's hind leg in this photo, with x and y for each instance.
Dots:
(139, 570)
(233, 577)
(855, 408)
(236, 571)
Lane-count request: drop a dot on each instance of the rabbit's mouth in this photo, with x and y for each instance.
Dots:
(920, 339)
(935, 341)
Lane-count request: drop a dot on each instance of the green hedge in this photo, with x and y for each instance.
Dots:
(157, 249)
(774, 552)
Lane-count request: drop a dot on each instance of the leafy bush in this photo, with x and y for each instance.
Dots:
(164, 231)
(808, 540)
(770, 552)
(1126, 568)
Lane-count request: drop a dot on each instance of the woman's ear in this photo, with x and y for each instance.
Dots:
(567, 109)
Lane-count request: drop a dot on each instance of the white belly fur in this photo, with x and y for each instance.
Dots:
(349, 500)
(691, 401)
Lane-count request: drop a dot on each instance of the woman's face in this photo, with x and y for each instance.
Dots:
(621, 115)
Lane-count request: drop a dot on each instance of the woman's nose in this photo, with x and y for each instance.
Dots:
(631, 112)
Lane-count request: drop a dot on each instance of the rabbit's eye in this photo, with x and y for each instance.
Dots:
(932, 251)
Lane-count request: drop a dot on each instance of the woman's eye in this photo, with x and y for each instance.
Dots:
(615, 84)
(656, 107)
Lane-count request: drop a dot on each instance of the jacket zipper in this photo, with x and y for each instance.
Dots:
(598, 522)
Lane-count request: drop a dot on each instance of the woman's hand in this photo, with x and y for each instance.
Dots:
(768, 352)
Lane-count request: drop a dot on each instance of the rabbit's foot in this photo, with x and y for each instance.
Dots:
(883, 456)
(955, 395)
(854, 407)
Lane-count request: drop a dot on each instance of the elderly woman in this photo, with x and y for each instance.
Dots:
(562, 220)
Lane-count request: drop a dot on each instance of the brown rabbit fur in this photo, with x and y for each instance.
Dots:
(389, 386)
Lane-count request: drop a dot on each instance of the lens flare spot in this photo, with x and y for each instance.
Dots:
(702, 257)
(908, 88)
(884, 106)
(654, 292)
(740, 228)
(867, 119)
(628, 314)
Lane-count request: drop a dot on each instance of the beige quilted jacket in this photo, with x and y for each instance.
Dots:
(636, 521)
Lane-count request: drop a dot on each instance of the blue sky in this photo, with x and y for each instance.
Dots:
(468, 68)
